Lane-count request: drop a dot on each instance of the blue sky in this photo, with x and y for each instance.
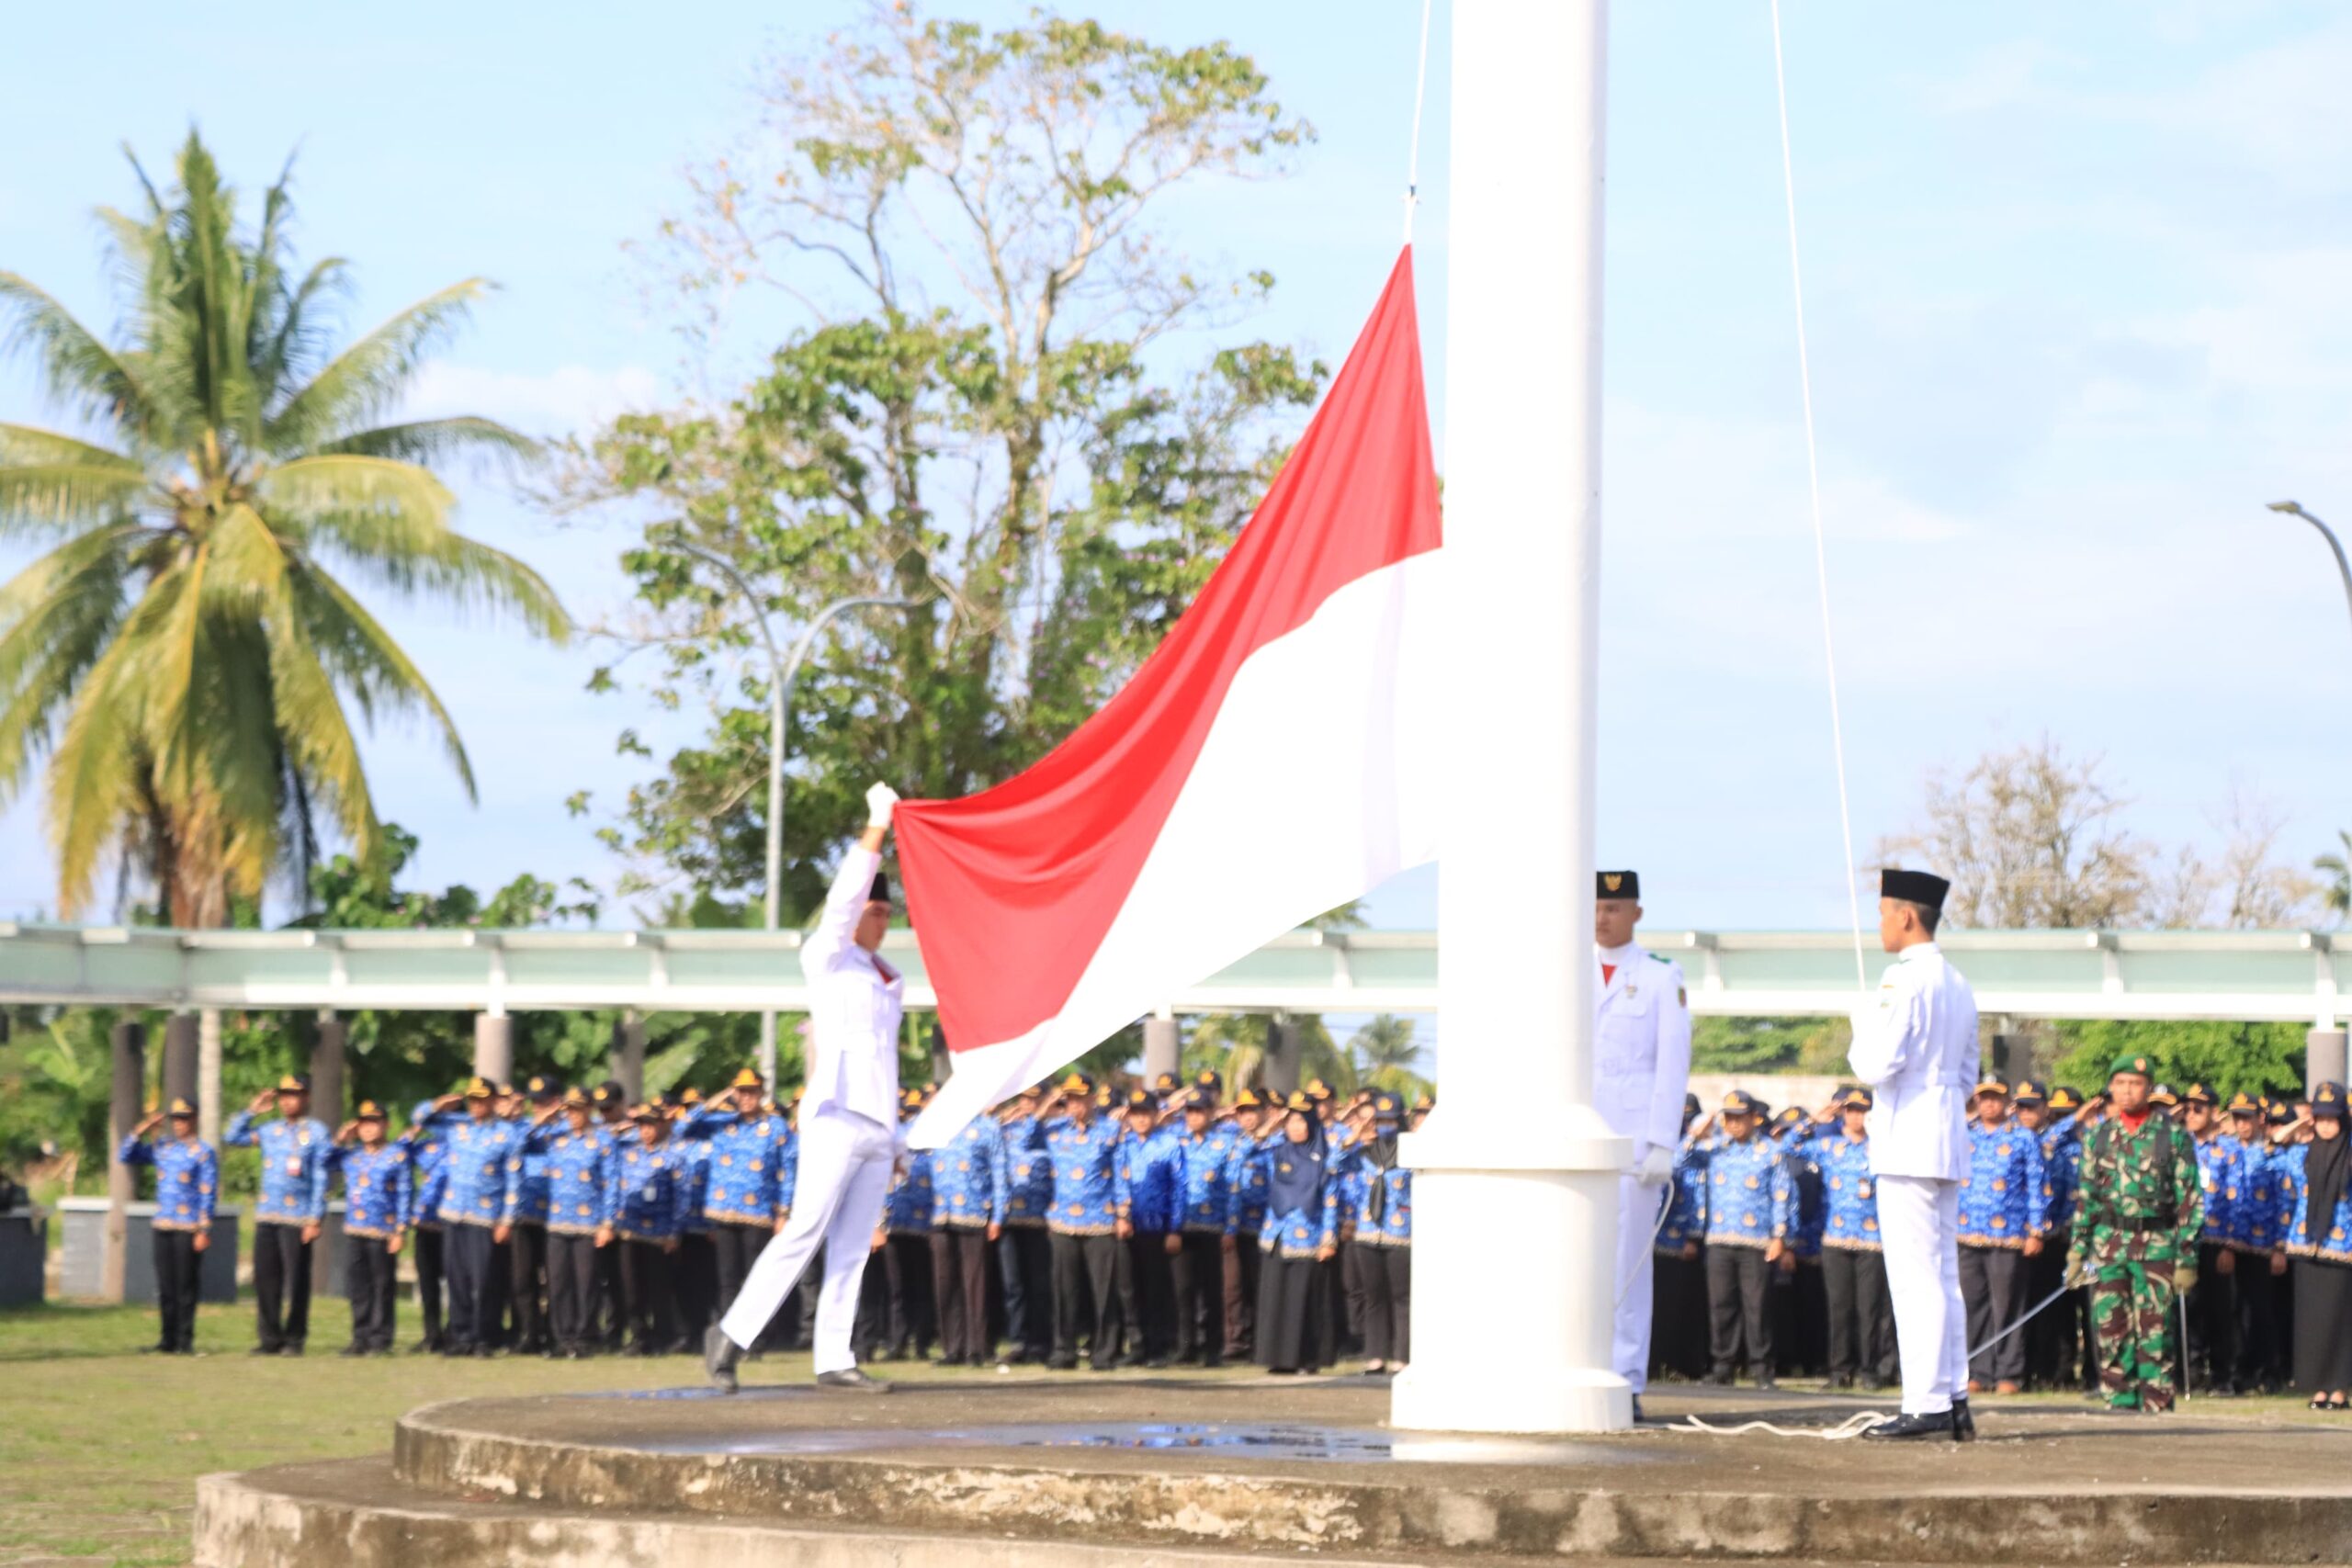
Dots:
(2076, 277)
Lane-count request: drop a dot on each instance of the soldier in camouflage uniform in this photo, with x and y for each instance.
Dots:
(2141, 1204)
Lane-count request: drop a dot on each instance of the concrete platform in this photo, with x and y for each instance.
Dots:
(1096, 1472)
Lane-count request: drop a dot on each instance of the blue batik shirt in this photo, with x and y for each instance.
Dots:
(2219, 1157)
(2261, 1207)
(1151, 1182)
(1304, 1231)
(1749, 1197)
(377, 1189)
(1245, 1174)
(1686, 1211)
(526, 1176)
(2304, 1235)
(1086, 1176)
(1025, 1173)
(1206, 1202)
(187, 1181)
(1808, 1206)
(908, 1208)
(295, 1156)
(474, 1188)
(744, 1163)
(964, 1176)
(1848, 1191)
(2002, 1200)
(1361, 1178)
(647, 1192)
(430, 1179)
(576, 1165)
(2062, 1166)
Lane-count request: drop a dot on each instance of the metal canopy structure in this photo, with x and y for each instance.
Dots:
(2266, 975)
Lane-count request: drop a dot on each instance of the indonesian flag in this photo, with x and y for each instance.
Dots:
(1276, 756)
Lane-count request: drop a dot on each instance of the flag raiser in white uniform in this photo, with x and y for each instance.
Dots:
(1916, 1048)
(1641, 1070)
(849, 1124)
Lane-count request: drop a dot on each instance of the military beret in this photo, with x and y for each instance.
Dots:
(2129, 1063)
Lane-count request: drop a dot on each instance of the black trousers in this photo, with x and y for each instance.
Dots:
(179, 1270)
(914, 1318)
(370, 1274)
(281, 1286)
(1241, 1295)
(1197, 1283)
(612, 1302)
(2211, 1358)
(473, 1304)
(1147, 1296)
(2051, 1347)
(1026, 1260)
(733, 1249)
(646, 1271)
(572, 1289)
(497, 1318)
(430, 1257)
(1862, 1316)
(1992, 1283)
(1677, 1316)
(697, 1277)
(527, 1284)
(2255, 1300)
(1739, 1308)
(1385, 1276)
(1356, 1291)
(1086, 1297)
(959, 1276)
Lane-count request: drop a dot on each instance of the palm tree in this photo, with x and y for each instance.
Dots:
(2338, 867)
(1384, 1052)
(183, 658)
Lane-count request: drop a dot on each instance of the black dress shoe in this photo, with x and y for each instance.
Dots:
(1061, 1363)
(1765, 1381)
(852, 1379)
(1935, 1425)
(719, 1355)
(1963, 1425)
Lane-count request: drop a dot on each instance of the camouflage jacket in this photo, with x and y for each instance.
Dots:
(2141, 1184)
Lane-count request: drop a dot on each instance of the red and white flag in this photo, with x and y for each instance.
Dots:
(1276, 756)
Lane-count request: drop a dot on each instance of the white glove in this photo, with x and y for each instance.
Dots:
(880, 801)
(1657, 1167)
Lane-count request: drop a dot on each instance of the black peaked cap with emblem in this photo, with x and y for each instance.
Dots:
(1616, 885)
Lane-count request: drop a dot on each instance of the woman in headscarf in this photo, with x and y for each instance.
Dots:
(1379, 1203)
(1301, 1233)
(2318, 1201)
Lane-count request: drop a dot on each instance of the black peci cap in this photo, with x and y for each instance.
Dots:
(1617, 885)
(880, 892)
(1912, 886)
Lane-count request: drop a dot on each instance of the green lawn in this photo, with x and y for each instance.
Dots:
(101, 1446)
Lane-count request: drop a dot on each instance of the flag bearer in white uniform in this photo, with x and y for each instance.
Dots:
(1916, 1048)
(850, 1131)
(1641, 1071)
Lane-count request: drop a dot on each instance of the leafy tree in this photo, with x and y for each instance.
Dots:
(2228, 1056)
(982, 402)
(187, 657)
(2337, 865)
(1384, 1054)
(1769, 1045)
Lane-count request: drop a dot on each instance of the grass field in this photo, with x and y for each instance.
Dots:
(101, 1446)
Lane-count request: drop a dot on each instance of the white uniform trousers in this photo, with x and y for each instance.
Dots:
(1918, 1221)
(843, 1176)
(1637, 1211)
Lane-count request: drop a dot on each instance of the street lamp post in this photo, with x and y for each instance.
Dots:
(2344, 567)
(782, 673)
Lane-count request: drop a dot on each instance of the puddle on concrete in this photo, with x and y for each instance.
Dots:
(1256, 1440)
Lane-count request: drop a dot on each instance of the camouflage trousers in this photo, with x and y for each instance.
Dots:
(2135, 1319)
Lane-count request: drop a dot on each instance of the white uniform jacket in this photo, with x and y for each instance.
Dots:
(855, 1005)
(1917, 1049)
(1641, 1060)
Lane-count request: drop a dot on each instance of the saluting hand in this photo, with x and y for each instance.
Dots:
(262, 1102)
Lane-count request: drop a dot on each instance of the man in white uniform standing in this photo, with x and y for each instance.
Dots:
(1641, 1071)
(849, 1121)
(1916, 1048)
